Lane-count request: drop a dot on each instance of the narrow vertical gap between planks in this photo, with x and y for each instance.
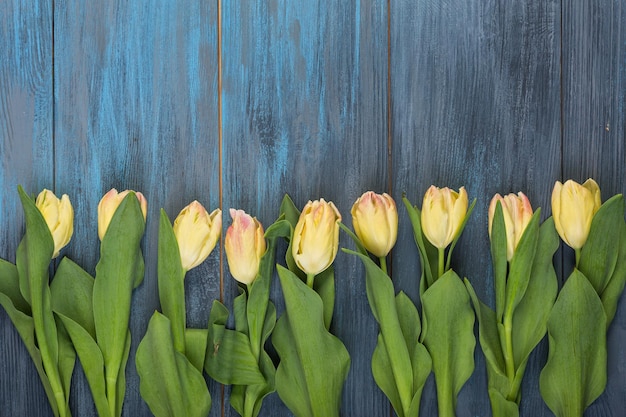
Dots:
(389, 136)
(220, 164)
(562, 124)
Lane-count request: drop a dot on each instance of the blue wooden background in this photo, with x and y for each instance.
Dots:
(237, 102)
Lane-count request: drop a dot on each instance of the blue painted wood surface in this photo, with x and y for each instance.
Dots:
(317, 99)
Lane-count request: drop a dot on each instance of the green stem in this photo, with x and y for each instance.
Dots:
(441, 259)
(508, 354)
(577, 252)
(310, 278)
(383, 264)
(112, 394)
(445, 404)
(49, 363)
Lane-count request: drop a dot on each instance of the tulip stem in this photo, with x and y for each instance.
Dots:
(309, 279)
(577, 252)
(383, 264)
(441, 258)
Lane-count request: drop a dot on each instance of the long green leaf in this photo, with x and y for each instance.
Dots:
(449, 337)
(575, 373)
(598, 256)
(428, 255)
(613, 290)
(530, 318)
(115, 277)
(169, 383)
(171, 282)
(499, 259)
(314, 363)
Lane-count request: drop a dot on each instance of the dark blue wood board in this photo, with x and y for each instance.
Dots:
(594, 140)
(305, 113)
(136, 108)
(26, 158)
(475, 92)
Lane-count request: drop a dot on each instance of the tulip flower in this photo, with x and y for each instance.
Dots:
(573, 208)
(375, 221)
(443, 213)
(517, 212)
(59, 216)
(197, 233)
(109, 204)
(316, 237)
(244, 245)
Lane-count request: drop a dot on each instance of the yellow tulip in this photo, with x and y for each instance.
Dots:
(109, 204)
(573, 208)
(244, 245)
(443, 212)
(517, 212)
(197, 233)
(375, 221)
(59, 216)
(316, 237)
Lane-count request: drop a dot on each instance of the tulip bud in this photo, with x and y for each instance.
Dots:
(197, 233)
(59, 216)
(573, 208)
(375, 221)
(109, 204)
(316, 237)
(443, 213)
(244, 245)
(517, 212)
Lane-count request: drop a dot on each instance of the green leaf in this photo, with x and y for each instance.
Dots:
(196, 343)
(289, 210)
(522, 264)
(229, 359)
(488, 334)
(115, 278)
(449, 337)
(575, 373)
(459, 233)
(18, 311)
(598, 257)
(324, 285)
(314, 363)
(169, 383)
(171, 281)
(530, 318)
(499, 259)
(428, 253)
(392, 356)
(71, 291)
(500, 406)
(613, 290)
(67, 359)
(121, 378)
(421, 362)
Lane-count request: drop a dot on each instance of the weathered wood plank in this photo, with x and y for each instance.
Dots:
(594, 138)
(305, 105)
(136, 94)
(26, 157)
(475, 93)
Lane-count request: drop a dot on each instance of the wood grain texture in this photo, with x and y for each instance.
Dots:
(304, 113)
(594, 139)
(475, 93)
(26, 158)
(136, 95)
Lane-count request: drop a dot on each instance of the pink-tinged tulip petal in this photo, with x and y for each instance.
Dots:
(316, 237)
(375, 221)
(197, 233)
(59, 216)
(245, 246)
(517, 212)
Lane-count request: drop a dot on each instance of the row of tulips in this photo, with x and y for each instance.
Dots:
(72, 314)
